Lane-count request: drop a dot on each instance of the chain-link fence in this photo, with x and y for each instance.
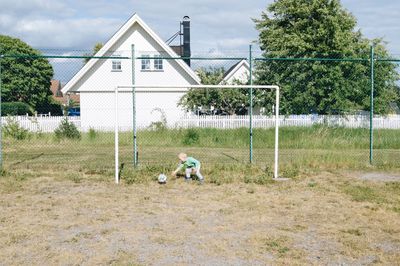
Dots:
(324, 111)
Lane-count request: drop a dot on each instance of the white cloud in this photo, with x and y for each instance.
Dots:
(63, 33)
(222, 25)
(36, 8)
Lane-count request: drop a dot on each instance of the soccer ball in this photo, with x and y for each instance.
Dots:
(162, 179)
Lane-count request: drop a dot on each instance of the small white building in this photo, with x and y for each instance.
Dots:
(97, 80)
(239, 73)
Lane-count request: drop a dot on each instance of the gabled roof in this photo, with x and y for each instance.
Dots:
(114, 39)
(233, 69)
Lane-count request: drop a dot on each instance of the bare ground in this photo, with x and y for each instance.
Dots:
(376, 176)
(314, 219)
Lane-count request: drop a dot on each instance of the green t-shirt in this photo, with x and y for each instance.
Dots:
(191, 163)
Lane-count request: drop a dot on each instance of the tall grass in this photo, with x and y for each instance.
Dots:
(311, 147)
(316, 137)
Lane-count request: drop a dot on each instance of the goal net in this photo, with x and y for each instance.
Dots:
(160, 127)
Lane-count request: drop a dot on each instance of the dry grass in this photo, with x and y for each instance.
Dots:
(78, 218)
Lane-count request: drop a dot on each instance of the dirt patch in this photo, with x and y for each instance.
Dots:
(305, 221)
(383, 177)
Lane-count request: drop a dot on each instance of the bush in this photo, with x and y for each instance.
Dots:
(67, 130)
(92, 134)
(159, 125)
(54, 109)
(15, 108)
(14, 130)
(191, 137)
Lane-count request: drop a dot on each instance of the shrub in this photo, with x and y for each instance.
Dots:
(13, 129)
(159, 125)
(191, 137)
(52, 108)
(92, 133)
(15, 108)
(67, 130)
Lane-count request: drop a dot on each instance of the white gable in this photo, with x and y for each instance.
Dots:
(240, 72)
(97, 74)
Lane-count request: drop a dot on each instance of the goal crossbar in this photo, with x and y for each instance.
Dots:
(176, 89)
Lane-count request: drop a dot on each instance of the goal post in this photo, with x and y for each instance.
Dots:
(183, 89)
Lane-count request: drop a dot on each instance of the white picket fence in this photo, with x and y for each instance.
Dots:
(50, 123)
(41, 123)
(258, 121)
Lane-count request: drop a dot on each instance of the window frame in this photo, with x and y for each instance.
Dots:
(114, 65)
(145, 64)
(158, 64)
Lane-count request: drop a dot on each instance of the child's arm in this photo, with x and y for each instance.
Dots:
(177, 169)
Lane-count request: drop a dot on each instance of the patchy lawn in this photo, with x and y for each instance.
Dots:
(72, 218)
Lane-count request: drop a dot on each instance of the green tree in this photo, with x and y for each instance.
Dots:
(320, 29)
(96, 48)
(229, 101)
(25, 78)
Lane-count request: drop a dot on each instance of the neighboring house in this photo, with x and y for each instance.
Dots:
(55, 88)
(97, 80)
(58, 96)
(239, 73)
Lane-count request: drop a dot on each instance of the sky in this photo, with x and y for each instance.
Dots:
(218, 27)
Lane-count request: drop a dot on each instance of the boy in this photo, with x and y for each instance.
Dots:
(192, 166)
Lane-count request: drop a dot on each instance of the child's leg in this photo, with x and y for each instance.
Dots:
(188, 172)
(199, 175)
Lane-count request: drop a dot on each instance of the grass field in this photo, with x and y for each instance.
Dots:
(59, 205)
(336, 217)
(310, 148)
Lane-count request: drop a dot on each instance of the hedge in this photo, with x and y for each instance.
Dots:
(15, 108)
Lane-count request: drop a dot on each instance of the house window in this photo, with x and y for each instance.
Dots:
(146, 62)
(158, 62)
(116, 65)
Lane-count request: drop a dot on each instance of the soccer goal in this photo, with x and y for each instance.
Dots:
(158, 95)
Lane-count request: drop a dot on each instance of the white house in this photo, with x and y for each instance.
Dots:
(238, 73)
(97, 80)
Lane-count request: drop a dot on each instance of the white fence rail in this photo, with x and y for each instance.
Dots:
(41, 123)
(349, 121)
(50, 123)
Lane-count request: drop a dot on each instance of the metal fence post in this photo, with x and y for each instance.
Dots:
(251, 102)
(135, 153)
(371, 113)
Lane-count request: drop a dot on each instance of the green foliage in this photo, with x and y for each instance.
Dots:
(74, 177)
(191, 137)
(54, 108)
(15, 108)
(259, 179)
(67, 130)
(159, 125)
(226, 101)
(320, 29)
(13, 129)
(25, 78)
(96, 48)
(363, 193)
(92, 134)
(144, 174)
